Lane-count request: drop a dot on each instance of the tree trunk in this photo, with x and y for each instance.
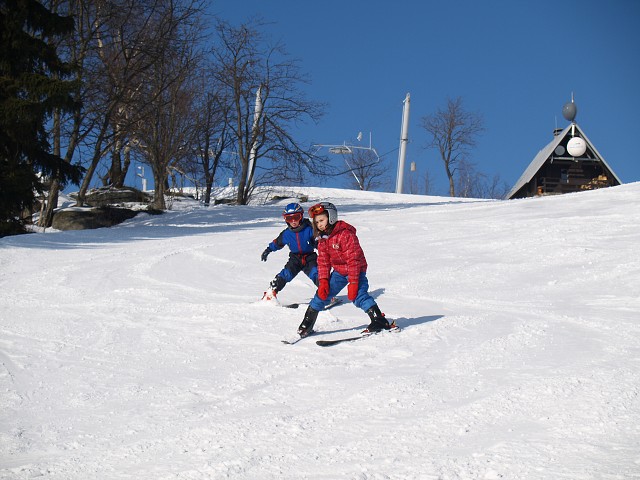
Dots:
(115, 172)
(208, 181)
(97, 155)
(452, 188)
(160, 181)
(46, 218)
(125, 166)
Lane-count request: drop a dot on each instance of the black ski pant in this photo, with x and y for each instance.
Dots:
(307, 263)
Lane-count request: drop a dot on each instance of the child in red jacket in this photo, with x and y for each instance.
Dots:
(341, 262)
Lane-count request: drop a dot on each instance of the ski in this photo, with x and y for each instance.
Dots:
(334, 302)
(293, 305)
(330, 343)
(293, 341)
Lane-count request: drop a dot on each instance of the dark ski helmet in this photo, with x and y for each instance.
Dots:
(293, 213)
(325, 207)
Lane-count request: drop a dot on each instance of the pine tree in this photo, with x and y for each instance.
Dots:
(32, 87)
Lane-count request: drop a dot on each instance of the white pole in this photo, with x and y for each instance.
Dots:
(144, 180)
(404, 139)
(256, 120)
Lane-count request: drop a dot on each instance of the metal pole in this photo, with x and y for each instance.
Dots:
(404, 139)
(254, 133)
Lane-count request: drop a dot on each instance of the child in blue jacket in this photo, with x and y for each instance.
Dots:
(298, 236)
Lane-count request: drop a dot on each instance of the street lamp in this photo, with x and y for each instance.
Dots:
(341, 150)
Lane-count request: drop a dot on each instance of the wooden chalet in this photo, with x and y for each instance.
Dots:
(554, 171)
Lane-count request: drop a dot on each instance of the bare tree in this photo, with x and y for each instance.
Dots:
(498, 188)
(212, 138)
(163, 129)
(470, 183)
(263, 82)
(453, 132)
(124, 47)
(366, 169)
(420, 184)
(163, 136)
(428, 183)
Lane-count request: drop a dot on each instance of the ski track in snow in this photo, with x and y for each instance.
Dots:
(140, 351)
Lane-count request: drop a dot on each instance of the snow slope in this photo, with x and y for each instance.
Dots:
(140, 352)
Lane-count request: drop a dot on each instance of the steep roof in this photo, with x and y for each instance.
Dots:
(544, 154)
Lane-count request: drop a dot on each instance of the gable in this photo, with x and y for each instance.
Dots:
(591, 163)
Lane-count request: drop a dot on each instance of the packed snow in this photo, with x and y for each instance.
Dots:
(143, 351)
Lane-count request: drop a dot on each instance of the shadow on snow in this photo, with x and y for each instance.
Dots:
(402, 322)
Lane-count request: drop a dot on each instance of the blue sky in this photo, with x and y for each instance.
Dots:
(514, 62)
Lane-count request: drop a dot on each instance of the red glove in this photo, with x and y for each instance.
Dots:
(352, 291)
(323, 289)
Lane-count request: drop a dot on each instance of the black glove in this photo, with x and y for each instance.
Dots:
(265, 254)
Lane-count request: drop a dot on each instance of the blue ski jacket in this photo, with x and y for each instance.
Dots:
(300, 239)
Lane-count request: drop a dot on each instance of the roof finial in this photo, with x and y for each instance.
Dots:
(569, 111)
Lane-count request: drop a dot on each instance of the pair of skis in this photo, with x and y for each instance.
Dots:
(328, 343)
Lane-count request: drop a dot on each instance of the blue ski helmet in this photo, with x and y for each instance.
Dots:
(293, 212)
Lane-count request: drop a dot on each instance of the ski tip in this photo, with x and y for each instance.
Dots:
(291, 341)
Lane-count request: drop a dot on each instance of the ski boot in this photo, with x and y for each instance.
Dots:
(309, 320)
(270, 296)
(378, 322)
(272, 291)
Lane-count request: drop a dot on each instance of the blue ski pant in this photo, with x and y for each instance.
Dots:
(337, 282)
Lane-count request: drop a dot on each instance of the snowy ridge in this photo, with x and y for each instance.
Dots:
(141, 352)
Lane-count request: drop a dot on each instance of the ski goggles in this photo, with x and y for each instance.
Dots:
(292, 217)
(317, 209)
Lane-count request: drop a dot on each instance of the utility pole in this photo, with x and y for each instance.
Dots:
(404, 139)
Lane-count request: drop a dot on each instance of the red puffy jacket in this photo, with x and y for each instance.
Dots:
(342, 252)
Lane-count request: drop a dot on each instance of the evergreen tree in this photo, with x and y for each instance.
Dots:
(32, 87)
